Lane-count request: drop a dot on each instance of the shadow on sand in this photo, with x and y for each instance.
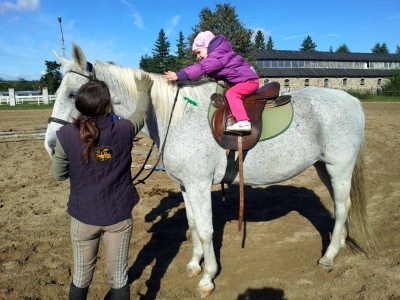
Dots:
(261, 205)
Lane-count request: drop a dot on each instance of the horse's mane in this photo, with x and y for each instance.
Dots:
(163, 93)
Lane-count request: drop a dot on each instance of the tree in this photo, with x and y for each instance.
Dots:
(259, 41)
(343, 49)
(393, 86)
(180, 60)
(308, 44)
(378, 48)
(330, 49)
(52, 79)
(270, 44)
(160, 53)
(224, 20)
(397, 49)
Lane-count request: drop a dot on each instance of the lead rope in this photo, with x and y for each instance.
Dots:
(162, 147)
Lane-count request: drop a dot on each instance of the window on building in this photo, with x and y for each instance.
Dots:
(266, 81)
(306, 82)
(287, 82)
(274, 63)
(344, 81)
(362, 81)
(326, 82)
(379, 82)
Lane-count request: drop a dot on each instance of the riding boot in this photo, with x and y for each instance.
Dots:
(121, 294)
(76, 293)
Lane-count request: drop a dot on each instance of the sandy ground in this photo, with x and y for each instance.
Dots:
(286, 231)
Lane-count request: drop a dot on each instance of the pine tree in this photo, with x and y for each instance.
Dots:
(378, 48)
(397, 49)
(270, 44)
(160, 54)
(308, 44)
(259, 41)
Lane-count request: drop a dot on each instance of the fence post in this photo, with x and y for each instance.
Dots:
(45, 96)
(11, 96)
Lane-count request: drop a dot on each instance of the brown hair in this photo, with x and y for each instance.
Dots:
(93, 101)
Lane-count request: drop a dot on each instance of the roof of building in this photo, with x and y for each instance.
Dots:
(327, 56)
(319, 72)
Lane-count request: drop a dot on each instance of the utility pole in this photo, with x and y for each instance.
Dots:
(62, 37)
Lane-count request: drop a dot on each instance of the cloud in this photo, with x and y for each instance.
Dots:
(137, 18)
(265, 32)
(21, 5)
(396, 16)
(332, 34)
(172, 24)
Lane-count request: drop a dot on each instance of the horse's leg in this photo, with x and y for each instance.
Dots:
(340, 178)
(320, 167)
(198, 198)
(193, 267)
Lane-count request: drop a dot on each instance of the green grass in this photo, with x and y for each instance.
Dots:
(26, 107)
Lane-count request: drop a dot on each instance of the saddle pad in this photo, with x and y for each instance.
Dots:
(275, 120)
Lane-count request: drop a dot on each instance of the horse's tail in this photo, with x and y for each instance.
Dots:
(358, 215)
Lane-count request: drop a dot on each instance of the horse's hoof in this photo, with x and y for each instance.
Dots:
(204, 292)
(192, 272)
(325, 263)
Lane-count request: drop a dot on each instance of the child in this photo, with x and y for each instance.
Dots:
(218, 60)
(95, 153)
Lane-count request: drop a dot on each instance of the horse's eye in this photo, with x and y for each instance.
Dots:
(71, 95)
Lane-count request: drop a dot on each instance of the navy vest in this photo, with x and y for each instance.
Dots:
(101, 192)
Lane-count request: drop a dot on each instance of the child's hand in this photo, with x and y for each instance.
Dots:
(171, 76)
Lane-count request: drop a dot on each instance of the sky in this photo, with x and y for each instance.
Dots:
(123, 31)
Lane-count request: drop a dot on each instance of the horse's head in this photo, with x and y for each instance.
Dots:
(76, 73)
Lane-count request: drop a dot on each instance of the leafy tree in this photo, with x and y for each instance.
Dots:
(308, 44)
(397, 49)
(259, 41)
(52, 79)
(224, 20)
(393, 86)
(270, 44)
(378, 48)
(343, 49)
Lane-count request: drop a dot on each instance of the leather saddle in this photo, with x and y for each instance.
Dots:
(266, 96)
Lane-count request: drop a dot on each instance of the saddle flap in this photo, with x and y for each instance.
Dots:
(223, 118)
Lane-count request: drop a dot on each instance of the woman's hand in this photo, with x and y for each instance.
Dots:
(171, 76)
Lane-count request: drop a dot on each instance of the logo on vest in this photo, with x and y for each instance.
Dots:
(102, 153)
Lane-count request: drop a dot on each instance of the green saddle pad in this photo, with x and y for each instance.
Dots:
(275, 120)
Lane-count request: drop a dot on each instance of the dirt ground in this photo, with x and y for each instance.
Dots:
(286, 231)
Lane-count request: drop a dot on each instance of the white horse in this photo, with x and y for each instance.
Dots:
(327, 131)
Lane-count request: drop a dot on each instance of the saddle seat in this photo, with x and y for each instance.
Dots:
(266, 96)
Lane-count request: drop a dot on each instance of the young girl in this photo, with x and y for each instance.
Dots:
(95, 153)
(218, 60)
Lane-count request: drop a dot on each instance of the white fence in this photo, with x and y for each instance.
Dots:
(13, 99)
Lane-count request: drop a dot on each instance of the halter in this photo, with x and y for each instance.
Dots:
(91, 76)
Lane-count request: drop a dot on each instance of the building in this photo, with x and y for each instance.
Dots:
(347, 71)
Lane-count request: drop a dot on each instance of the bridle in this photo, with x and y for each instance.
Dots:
(91, 76)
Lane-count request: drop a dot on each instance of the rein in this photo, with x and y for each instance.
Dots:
(162, 147)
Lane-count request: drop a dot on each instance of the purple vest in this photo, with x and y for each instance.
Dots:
(101, 192)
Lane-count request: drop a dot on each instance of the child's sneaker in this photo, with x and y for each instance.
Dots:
(241, 126)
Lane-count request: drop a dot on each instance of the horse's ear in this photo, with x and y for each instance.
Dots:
(61, 59)
(78, 56)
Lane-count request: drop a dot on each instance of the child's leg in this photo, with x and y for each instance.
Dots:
(235, 97)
